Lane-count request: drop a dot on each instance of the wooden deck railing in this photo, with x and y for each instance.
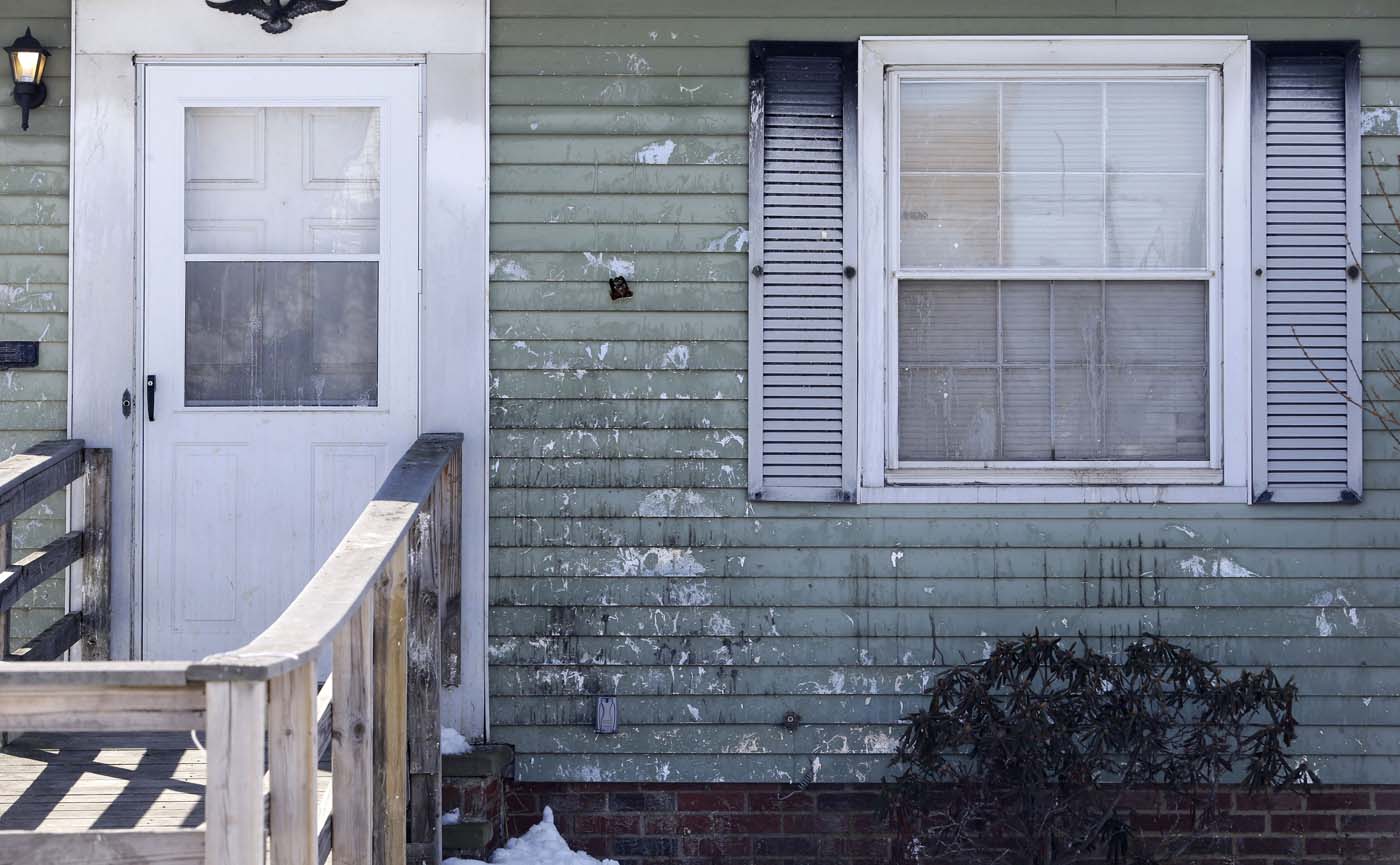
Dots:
(26, 480)
(378, 605)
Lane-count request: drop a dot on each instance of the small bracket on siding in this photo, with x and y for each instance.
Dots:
(618, 288)
(606, 719)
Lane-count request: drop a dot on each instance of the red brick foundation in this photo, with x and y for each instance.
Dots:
(735, 824)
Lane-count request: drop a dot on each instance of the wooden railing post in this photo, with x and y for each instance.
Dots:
(292, 752)
(95, 627)
(425, 710)
(446, 508)
(237, 716)
(352, 742)
(391, 711)
(6, 549)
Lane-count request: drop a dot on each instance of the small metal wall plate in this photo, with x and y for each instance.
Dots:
(18, 354)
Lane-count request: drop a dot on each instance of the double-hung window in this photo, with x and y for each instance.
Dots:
(1055, 270)
(1070, 269)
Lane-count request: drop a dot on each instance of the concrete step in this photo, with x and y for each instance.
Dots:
(470, 834)
(484, 761)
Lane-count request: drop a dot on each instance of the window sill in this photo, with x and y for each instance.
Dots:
(1206, 487)
(1034, 475)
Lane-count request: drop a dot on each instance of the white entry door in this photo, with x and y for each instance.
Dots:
(280, 330)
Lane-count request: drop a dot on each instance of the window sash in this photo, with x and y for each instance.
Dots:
(1009, 471)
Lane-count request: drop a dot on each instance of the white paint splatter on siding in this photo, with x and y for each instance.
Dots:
(688, 594)
(694, 712)
(508, 267)
(657, 153)
(1222, 566)
(1382, 120)
(733, 240)
(1323, 601)
(677, 357)
(651, 562)
(675, 503)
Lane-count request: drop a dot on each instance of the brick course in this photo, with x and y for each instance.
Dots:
(769, 824)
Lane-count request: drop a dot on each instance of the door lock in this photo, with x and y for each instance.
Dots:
(150, 398)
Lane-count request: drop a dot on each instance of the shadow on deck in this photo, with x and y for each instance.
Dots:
(385, 606)
(74, 782)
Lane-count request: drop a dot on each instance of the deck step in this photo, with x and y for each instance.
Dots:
(467, 835)
(485, 761)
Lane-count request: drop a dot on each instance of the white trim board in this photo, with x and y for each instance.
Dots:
(114, 40)
(1227, 475)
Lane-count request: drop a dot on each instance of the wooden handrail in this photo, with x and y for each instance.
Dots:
(26, 479)
(347, 577)
(382, 602)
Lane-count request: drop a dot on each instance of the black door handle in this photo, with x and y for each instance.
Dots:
(150, 398)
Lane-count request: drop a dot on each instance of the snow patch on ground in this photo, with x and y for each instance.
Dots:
(542, 845)
(454, 742)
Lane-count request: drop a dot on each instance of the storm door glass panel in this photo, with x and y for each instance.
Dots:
(282, 243)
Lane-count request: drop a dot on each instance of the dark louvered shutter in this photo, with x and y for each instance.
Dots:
(1307, 245)
(802, 398)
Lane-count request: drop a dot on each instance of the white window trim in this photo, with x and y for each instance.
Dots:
(1225, 478)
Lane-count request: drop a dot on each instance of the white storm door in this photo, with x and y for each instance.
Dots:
(281, 287)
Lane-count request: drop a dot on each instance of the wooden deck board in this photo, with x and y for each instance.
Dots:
(84, 781)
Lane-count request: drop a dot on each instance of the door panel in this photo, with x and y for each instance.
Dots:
(281, 324)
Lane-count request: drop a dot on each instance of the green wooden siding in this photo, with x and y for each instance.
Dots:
(625, 559)
(34, 275)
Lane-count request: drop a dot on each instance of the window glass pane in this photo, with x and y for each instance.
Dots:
(1156, 221)
(1054, 126)
(1027, 413)
(948, 414)
(950, 220)
(1158, 322)
(281, 180)
(949, 126)
(281, 333)
(956, 322)
(1053, 220)
(1053, 371)
(1156, 413)
(1041, 173)
(1078, 322)
(1157, 126)
(1025, 309)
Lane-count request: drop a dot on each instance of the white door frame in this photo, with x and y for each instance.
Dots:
(113, 41)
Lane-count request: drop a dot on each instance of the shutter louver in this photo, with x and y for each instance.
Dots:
(1307, 228)
(801, 304)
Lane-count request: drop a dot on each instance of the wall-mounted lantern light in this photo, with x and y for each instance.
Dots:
(27, 60)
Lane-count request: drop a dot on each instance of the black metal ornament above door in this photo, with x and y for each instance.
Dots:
(276, 15)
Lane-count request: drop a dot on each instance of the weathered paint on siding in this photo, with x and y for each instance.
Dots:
(625, 559)
(34, 274)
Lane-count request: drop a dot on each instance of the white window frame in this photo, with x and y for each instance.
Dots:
(1224, 476)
